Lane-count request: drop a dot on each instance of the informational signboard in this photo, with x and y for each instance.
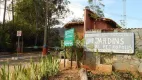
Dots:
(69, 37)
(19, 33)
(109, 42)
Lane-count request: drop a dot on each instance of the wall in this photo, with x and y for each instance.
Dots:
(90, 23)
(101, 25)
(78, 30)
(124, 62)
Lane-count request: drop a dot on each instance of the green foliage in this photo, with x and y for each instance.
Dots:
(54, 40)
(96, 6)
(78, 43)
(77, 48)
(32, 12)
(94, 16)
(48, 66)
(25, 13)
(30, 17)
(5, 40)
(106, 58)
(138, 53)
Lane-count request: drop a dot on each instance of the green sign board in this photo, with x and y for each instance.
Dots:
(69, 37)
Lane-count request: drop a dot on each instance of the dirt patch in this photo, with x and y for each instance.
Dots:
(66, 73)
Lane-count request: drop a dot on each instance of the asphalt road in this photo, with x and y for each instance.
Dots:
(14, 59)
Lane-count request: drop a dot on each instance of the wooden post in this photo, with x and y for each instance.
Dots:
(83, 57)
(65, 58)
(76, 59)
(71, 57)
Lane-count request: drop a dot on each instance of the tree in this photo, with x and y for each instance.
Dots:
(96, 6)
(4, 13)
(38, 14)
(54, 9)
(28, 10)
(77, 20)
(29, 16)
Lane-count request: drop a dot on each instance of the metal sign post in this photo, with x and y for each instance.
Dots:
(18, 45)
(19, 33)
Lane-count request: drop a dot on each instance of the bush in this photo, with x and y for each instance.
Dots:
(48, 66)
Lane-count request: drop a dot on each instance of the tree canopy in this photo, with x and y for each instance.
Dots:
(30, 16)
(97, 6)
(33, 11)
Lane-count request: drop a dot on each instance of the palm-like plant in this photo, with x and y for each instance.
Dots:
(48, 66)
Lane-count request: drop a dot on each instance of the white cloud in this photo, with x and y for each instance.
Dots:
(77, 10)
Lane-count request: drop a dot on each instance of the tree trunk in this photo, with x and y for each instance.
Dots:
(13, 11)
(4, 13)
(45, 30)
(36, 22)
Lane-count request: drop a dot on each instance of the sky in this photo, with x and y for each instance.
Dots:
(8, 14)
(113, 9)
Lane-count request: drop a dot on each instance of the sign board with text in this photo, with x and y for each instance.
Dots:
(69, 37)
(19, 33)
(109, 42)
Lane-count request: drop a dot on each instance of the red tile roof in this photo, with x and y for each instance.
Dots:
(73, 24)
(107, 20)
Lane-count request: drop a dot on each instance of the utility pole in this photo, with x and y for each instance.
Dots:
(124, 23)
(44, 52)
(95, 2)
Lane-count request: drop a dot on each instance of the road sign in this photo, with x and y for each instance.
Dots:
(69, 37)
(19, 33)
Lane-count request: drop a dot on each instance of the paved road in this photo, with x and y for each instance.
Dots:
(14, 59)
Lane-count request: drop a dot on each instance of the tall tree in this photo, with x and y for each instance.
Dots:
(54, 9)
(33, 14)
(97, 6)
(4, 13)
(13, 11)
(25, 12)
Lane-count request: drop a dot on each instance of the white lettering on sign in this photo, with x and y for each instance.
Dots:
(110, 42)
